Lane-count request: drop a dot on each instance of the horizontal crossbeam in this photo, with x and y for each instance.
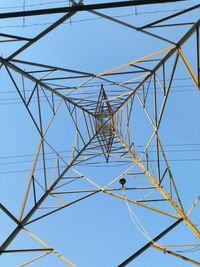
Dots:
(77, 8)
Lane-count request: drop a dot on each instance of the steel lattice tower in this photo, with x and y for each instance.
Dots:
(105, 124)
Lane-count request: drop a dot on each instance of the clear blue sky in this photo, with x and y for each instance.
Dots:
(98, 231)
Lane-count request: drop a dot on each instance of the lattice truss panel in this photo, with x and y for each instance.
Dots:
(101, 119)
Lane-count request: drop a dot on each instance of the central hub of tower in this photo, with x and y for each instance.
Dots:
(104, 122)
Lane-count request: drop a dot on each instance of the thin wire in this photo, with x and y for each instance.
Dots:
(96, 164)
(96, 85)
(14, 102)
(194, 249)
(27, 161)
(24, 9)
(33, 5)
(137, 223)
(90, 19)
(137, 146)
(92, 165)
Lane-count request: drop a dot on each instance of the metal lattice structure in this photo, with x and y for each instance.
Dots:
(103, 117)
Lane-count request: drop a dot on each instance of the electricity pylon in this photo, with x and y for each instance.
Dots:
(103, 124)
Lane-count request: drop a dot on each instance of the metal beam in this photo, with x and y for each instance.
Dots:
(3, 208)
(170, 17)
(42, 34)
(16, 231)
(148, 245)
(163, 192)
(173, 253)
(171, 52)
(82, 8)
(9, 65)
(26, 250)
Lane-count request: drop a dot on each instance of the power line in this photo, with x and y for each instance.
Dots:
(97, 83)
(137, 146)
(107, 83)
(91, 19)
(94, 85)
(80, 8)
(60, 2)
(33, 5)
(66, 151)
(150, 89)
(95, 164)
(56, 100)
